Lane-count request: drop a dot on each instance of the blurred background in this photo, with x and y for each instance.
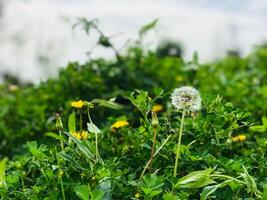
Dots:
(36, 36)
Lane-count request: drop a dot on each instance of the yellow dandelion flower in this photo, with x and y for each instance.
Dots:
(242, 138)
(119, 124)
(77, 104)
(77, 135)
(239, 138)
(80, 135)
(157, 108)
(84, 135)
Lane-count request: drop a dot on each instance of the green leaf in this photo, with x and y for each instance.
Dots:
(259, 128)
(70, 159)
(152, 184)
(148, 27)
(158, 91)
(92, 128)
(54, 135)
(250, 183)
(207, 191)
(72, 122)
(97, 194)
(169, 196)
(196, 179)
(109, 104)
(2, 172)
(82, 191)
(81, 146)
(264, 121)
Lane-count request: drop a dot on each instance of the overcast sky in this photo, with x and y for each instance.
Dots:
(31, 30)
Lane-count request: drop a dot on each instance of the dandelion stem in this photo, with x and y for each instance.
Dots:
(179, 144)
(153, 148)
(81, 120)
(89, 117)
(143, 172)
(62, 189)
(61, 143)
(96, 146)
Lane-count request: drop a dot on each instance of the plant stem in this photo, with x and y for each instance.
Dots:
(153, 148)
(62, 189)
(81, 121)
(61, 143)
(96, 147)
(143, 172)
(227, 177)
(89, 117)
(179, 144)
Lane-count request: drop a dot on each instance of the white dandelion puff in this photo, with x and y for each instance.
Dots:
(186, 98)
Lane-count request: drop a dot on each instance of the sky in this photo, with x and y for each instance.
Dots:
(36, 36)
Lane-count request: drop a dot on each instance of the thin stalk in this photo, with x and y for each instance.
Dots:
(179, 144)
(61, 182)
(153, 148)
(62, 189)
(89, 117)
(81, 121)
(227, 177)
(146, 166)
(96, 146)
(61, 143)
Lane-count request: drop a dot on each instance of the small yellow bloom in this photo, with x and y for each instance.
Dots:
(137, 195)
(77, 135)
(84, 135)
(80, 135)
(179, 78)
(157, 108)
(119, 124)
(77, 104)
(60, 173)
(239, 138)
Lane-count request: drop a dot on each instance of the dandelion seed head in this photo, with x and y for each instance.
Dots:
(187, 98)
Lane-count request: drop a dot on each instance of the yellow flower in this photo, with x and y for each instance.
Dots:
(179, 78)
(137, 195)
(77, 104)
(77, 135)
(80, 135)
(157, 108)
(84, 135)
(119, 124)
(239, 138)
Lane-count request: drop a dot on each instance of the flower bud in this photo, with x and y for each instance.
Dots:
(155, 121)
(59, 125)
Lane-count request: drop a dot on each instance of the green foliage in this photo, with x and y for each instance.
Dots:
(223, 151)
